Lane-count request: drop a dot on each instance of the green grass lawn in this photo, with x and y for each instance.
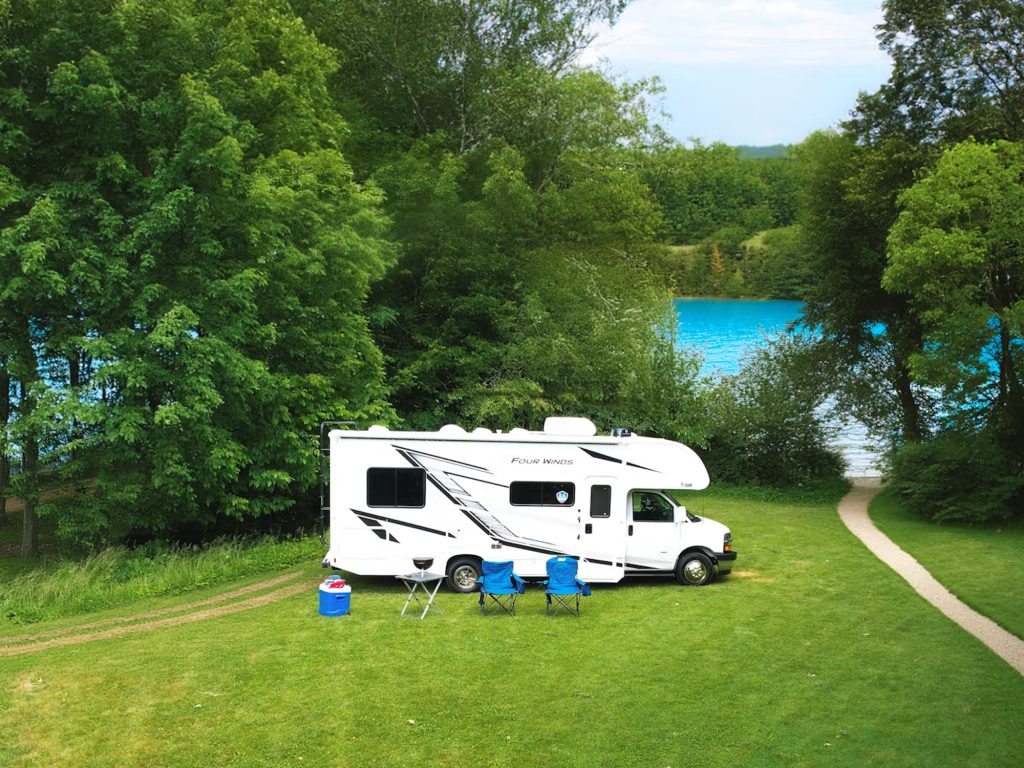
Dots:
(812, 654)
(983, 566)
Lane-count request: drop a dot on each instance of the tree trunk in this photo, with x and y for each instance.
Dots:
(30, 480)
(907, 339)
(5, 467)
(910, 412)
(30, 520)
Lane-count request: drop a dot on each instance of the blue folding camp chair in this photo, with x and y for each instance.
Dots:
(499, 587)
(563, 586)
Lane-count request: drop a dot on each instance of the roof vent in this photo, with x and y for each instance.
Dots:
(621, 432)
(569, 425)
(377, 429)
(451, 429)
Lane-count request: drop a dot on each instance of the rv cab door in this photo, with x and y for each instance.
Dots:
(602, 524)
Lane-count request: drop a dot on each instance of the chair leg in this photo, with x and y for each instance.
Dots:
(566, 602)
(506, 603)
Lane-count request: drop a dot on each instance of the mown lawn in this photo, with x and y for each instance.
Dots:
(811, 654)
(982, 565)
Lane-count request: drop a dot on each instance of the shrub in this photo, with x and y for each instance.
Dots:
(957, 477)
(765, 424)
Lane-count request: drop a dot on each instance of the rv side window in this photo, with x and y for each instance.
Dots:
(600, 501)
(528, 494)
(651, 508)
(398, 487)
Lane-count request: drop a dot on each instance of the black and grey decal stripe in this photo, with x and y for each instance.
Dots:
(408, 452)
(601, 456)
(613, 460)
(477, 479)
(504, 541)
(372, 520)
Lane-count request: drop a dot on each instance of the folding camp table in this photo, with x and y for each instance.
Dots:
(420, 581)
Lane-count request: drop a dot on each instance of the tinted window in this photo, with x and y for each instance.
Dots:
(542, 494)
(600, 501)
(398, 487)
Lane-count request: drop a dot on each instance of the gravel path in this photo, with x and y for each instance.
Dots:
(853, 509)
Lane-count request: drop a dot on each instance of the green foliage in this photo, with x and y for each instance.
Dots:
(956, 251)
(523, 249)
(185, 256)
(848, 203)
(767, 424)
(958, 72)
(715, 199)
(705, 189)
(958, 477)
(729, 264)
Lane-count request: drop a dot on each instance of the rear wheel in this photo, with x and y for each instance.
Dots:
(462, 575)
(694, 569)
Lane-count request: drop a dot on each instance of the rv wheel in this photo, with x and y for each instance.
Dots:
(694, 569)
(462, 575)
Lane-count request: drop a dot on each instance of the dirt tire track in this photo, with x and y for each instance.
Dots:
(200, 615)
(181, 608)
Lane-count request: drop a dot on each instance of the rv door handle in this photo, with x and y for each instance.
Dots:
(630, 530)
(588, 528)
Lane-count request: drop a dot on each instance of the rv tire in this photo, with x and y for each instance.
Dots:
(694, 569)
(462, 574)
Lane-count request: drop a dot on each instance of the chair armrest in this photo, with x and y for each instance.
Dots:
(584, 588)
(520, 585)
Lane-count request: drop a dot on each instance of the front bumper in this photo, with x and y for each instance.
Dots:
(724, 561)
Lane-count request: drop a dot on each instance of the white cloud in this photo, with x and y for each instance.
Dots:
(758, 33)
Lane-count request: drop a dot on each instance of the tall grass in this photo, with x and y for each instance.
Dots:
(119, 576)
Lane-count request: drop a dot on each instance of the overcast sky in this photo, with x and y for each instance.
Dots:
(748, 71)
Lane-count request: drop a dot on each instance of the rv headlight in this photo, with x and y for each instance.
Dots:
(727, 544)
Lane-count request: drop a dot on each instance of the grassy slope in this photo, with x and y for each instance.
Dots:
(984, 567)
(812, 654)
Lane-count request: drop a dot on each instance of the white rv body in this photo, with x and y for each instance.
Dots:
(460, 497)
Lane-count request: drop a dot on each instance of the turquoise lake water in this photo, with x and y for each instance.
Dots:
(725, 330)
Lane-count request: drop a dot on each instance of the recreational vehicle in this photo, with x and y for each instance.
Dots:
(458, 497)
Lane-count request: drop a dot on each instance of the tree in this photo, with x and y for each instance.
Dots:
(958, 71)
(707, 188)
(463, 72)
(185, 256)
(957, 251)
(510, 181)
(847, 206)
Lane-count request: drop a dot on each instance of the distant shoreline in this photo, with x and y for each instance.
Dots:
(730, 298)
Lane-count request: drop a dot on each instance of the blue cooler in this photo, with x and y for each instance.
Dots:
(335, 596)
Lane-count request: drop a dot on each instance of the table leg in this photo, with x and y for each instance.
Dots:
(412, 594)
(430, 601)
